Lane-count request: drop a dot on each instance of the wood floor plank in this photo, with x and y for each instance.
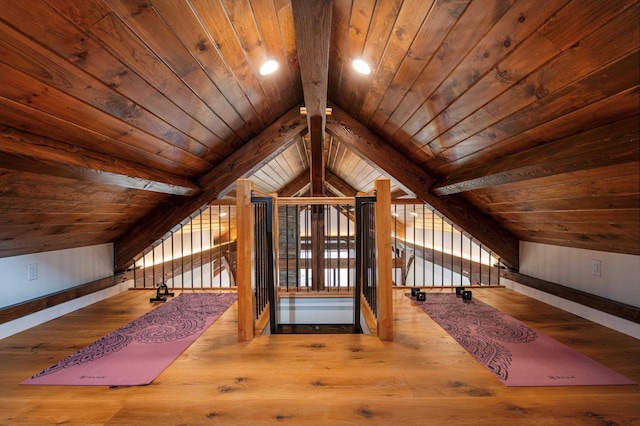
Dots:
(423, 377)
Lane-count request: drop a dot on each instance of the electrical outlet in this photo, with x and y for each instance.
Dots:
(32, 271)
(596, 268)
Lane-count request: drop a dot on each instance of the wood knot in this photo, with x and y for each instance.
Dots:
(202, 46)
(316, 345)
(479, 392)
(502, 75)
(365, 412)
(540, 92)
(515, 409)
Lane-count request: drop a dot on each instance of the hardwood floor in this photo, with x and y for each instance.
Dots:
(422, 377)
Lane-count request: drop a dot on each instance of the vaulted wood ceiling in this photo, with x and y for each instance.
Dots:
(517, 119)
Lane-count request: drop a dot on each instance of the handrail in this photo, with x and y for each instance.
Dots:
(194, 255)
(316, 201)
(430, 250)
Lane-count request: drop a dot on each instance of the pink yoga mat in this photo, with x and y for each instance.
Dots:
(138, 352)
(516, 353)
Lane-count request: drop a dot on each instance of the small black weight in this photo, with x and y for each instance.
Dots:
(162, 291)
(466, 295)
(459, 291)
(421, 296)
(414, 291)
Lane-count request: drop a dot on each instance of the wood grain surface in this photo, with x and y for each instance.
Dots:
(422, 377)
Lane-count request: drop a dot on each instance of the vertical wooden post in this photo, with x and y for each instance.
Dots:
(316, 131)
(273, 292)
(383, 250)
(276, 241)
(245, 275)
(317, 247)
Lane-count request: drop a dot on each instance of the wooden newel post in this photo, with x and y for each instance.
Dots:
(383, 250)
(245, 275)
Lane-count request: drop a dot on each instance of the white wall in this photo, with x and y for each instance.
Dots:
(56, 271)
(26, 322)
(200, 277)
(619, 280)
(315, 310)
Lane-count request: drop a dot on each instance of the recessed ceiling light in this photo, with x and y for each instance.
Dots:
(223, 214)
(361, 66)
(268, 67)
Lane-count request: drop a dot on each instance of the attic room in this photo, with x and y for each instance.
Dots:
(479, 146)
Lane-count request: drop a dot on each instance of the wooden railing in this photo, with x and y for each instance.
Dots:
(428, 250)
(316, 244)
(315, 241)
(310, 228)
(264, 258)
(198, 253)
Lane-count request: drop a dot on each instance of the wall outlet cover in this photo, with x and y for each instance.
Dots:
(32, 271)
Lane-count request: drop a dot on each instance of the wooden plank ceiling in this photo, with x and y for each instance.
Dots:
(518, 119)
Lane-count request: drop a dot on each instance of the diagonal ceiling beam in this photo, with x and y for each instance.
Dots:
(253, 155)
(389, 161)
(612, 144)
(312, 21)
(397, 193)
(23, 151)
(245, 161)
(296, 185)
(338, 184)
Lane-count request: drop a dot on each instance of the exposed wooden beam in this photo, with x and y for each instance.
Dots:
(242, 163)
(317, 156)
(317, 247)
(613, 144)
(296, 185)
(336, 182)
(312, 21)
(389, 161)
(251, 156)
(23, 151)
(368, 146)
(397, 193)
